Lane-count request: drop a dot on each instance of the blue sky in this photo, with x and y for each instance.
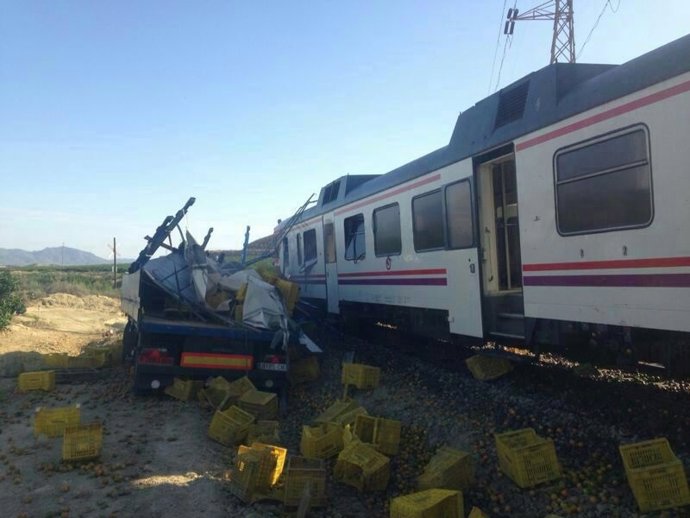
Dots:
(115, 112)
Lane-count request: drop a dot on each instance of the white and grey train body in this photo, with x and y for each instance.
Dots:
(560, 206)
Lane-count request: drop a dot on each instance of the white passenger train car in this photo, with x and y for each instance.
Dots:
(561, 204)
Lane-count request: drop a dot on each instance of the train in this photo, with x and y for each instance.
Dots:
(558, 213)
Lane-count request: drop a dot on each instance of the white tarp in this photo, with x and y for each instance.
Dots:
(263, 306)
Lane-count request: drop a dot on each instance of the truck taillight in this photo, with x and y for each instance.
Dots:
(274, 358)
(156, 356)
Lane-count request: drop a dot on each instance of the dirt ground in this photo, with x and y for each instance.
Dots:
(153, 463)
(58, 323)
(157, 459)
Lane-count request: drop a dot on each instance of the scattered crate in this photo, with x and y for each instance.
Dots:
(526, 458)
(322, 441)
(89, 359)
(184, 390)
(262, 405)
(264, 431)
(348, 418)
(656, 476)
(486, 368)
(448, 469)
(56, 360)
(335, 410)
(304, 370)
(271, 466)
(246, 471)
(383, 434)
(82, 442)
(53, 421)
(430, 503)
(361, 466)
(360, 375)
(240, 386)
(230, 426)
(39, 380)
(300, 473)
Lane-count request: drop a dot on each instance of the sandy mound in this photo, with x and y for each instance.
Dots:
(59, 323)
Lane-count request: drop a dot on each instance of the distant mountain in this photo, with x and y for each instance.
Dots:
(59, 255)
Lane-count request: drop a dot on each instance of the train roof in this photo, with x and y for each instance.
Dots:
(542, 98)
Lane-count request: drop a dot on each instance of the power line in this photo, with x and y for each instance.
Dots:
(500, 68)
(498, 42)
(596, 23)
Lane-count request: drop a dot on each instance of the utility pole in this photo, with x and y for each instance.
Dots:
(114, 263)
(561, 12)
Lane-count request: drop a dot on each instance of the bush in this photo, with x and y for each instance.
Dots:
(10, 303)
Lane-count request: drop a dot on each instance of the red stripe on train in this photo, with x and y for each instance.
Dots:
(657, 262)
(605, 115)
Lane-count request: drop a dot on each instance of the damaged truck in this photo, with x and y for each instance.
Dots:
(194, 316)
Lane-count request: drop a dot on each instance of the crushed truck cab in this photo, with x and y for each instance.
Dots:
(193, 316)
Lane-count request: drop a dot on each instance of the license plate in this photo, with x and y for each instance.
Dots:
(272, 366)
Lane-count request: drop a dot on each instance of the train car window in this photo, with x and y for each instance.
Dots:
(387, 239)
(309, 245)
(286, 254)
(458, 198)
(329, 242)
(604, 185)
(354, 238)
(299, 249)
(427, 221)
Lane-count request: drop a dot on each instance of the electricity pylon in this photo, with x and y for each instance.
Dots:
(561, 12)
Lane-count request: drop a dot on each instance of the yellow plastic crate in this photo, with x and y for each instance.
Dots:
(272, 463)
(431, 503)
(82, 442)
(290, 292)
(321, 441)
(184, 390)
(245, 474)
(301, 472)
(383, 434)
(361, 466)
(348, 418)
(264, 431)
(262, 405)
(526, 458)
(360, 375)
(335, 410)
(656, 476)
(53, 421)
(448, 469)
(304, 370)
(230, 426)
(56, 360)
(40, 380)
(240, 386)
(486, 368)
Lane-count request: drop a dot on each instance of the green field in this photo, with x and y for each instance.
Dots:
(38, 281)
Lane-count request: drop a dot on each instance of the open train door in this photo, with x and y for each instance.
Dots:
(332, 302)
(500, 245)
